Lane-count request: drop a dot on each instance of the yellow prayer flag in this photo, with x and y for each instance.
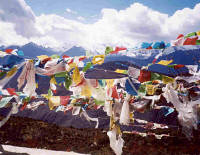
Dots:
(71, 65)
(120, 71)
(42, 57)
(110, 83)
(73, 101)
(165, 62)
(98, 59)
(150, 89)
(53, 80)
(167, 79)
(112, 122)
(85, 91)
(11, 72)
(118, 129)
(45, 96)
(131, 117)
(76, 76)
(198, 33)
(54, 101)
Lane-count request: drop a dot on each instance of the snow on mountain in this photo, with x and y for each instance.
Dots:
(33, 50)
(75, 51)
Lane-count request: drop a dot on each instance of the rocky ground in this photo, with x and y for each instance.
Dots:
(31, 133)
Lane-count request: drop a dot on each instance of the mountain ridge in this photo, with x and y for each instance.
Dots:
(33, 50)
(75, 51)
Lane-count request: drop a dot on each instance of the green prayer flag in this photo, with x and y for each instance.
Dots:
(108, 50)
(2, 74)
(155, 76)
(142, 89)
(50, 93)
(55, 56)
(88, 65)
(27, 99)
(68, 82)
(97, 102)
(61, 74)
(191, 34)
(198, 42)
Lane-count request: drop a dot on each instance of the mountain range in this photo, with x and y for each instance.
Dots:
(32, 50)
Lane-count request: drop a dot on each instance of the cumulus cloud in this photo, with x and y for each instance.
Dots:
(8, 35)
(80, 18)
(184, 21)
(127, 27)
(1, 11)
(70, 11)
(20, 15)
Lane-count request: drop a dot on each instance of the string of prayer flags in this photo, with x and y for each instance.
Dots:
(122, 82)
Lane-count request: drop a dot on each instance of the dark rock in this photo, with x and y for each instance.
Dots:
(26, 132)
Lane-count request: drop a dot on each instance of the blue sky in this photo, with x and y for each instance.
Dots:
(91, 9)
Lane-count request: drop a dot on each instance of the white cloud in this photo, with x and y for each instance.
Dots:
(93, 16)
(70, 11)
(127, 27)
(21, 15)
(60, 31)
(9, 36)
(80, 18)
(1, 11)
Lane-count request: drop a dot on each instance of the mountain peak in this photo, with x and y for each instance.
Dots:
(75, 51)
(32, 50)
(32, 44)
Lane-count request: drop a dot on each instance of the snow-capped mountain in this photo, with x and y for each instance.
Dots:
(74, 51)
(33, 50)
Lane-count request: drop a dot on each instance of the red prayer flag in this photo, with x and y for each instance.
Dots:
(149, 48)
(64, 100)
(117, 49)
(54, 91)
(115, 93)
(154, 61)
(65, 56)
(190, 41)
(144, 76)
(9, 51)
(180, 36)
(178, 66)
(11, 91)
(24, 106)
(70, 61)
(82, 58)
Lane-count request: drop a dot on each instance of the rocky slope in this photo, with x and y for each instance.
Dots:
(27, 132)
